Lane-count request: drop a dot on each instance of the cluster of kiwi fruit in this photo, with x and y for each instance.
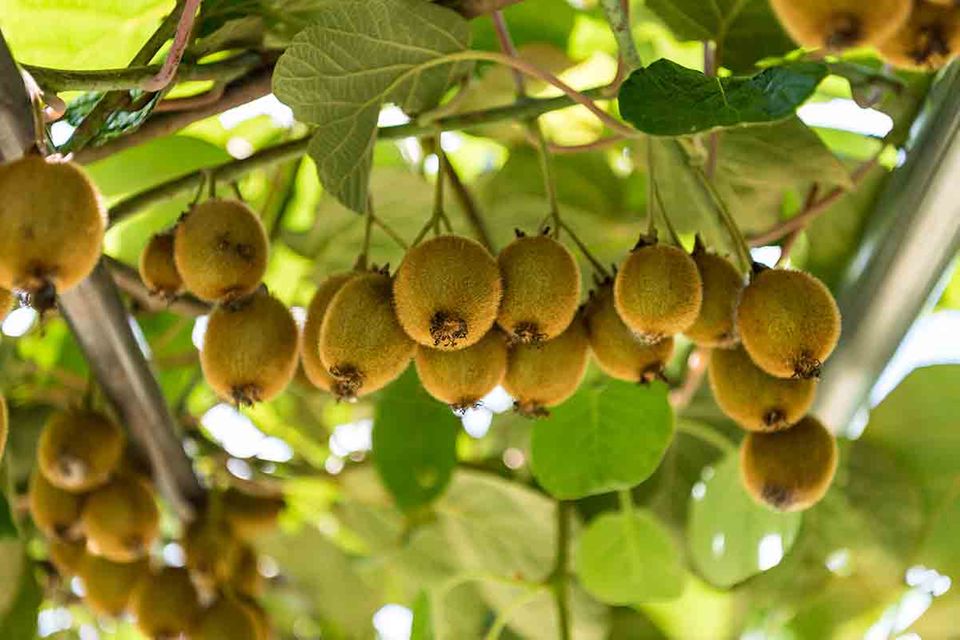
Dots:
(100, 516)
(910, 34)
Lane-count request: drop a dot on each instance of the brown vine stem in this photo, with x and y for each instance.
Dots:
(711, 62)
(697, 362)
(180, 39)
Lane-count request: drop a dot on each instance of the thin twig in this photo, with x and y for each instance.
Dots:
(710, 65)
(128, 280)
(471, 210)
(697, 362)
(390, 231)
(181, 38)
(561, 569)
(618, 15)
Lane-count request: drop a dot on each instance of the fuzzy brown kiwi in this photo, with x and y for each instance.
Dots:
(789, 323)
(251, 515)
(789, 470)
(226, 619)
(928, 40)
(211, 549)
(839, 24)
(121, 519)
(249, 352)
(79, 449)
(362, 344)
(67, 556)
(221, 250)
(158, 270)
(55, 512)
(658, 291)
(447, 292)
(461, 378)
(7, 300)
(618, 351)
(541, 288)
(166, 604)
(752, 397)
(51, 228)
(544, 375)
(716, 324)
(110, 586)
(245, 577)
(310, 337)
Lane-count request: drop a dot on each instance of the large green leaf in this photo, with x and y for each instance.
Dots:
(730, 536)
(358, 55)
(609, 436)
(20, 595)
(628, 558)
(414, 442)
(665, 99)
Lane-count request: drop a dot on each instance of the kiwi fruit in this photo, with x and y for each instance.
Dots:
(55, 512)
(840, 24)
(753, 398)
(110, 585)
(51, 230)
(67, 556)
(716, 324)
(541, 288)
(121, 519)
(158, 270)
(7, 300)
(210, 549)
(362, 344)
(227, 619)
(789, 323)
(618, 351)
(546, 374)
(789, 470)
(461, 378)
(245, 576)
(447, 292)
(260, 616)
(166, 604)
(79, 449)
(928, 40)
(316, 373)
(249, 352)
(658, 291)
(221, 250)
(251, 515)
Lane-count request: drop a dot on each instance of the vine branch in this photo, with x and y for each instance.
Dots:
(561, 570)
(618, 15)
(180, 39)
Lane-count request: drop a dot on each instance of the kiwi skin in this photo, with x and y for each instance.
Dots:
(52, 227)
(221, 250)
(67, 556)
(722, 284)
(110, 585)
(79, 449)
(928, 40)
(54, 511)
(789, 470)
(657, 291)
(229, 619)
(316, 373)
(362, 344)
(753, 398)
(251, 515)
(121, 519)
(250, 349)
(447, 292)
(462, 378)
(166, 604)
(7, 300)
(541, 288)
(839, 24)
(617, 350)
(545, 375)
(789, 323)
(158, 270)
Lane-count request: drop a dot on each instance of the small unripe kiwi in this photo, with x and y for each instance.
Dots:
(251, 515)
(7, 300)
(752, 397)
(461, 378)
(227, 619)
(110, 585)
(618, 351)
(67, 556)
(789, 323)
(166, 604)
(658, 291)
(55, 512)
(51, 227)
(546, 374)
(158, 270)
(839, 24)
(310, 338)
(221, 250)
(541, 288)
(716, 324)
(928, 40)
(362, 344)
(121, 519)
(249, 352)
(789, 470)
(79, 449)
(210, 549)
(447, 292)
(245, 576)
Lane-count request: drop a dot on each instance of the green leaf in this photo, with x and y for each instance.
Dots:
(609, 436)
(20, 595)
(629, 558)
(531, 21)
(414, 442)
(730, 535)
(358, 55)
(422, 620)
(665, 99)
